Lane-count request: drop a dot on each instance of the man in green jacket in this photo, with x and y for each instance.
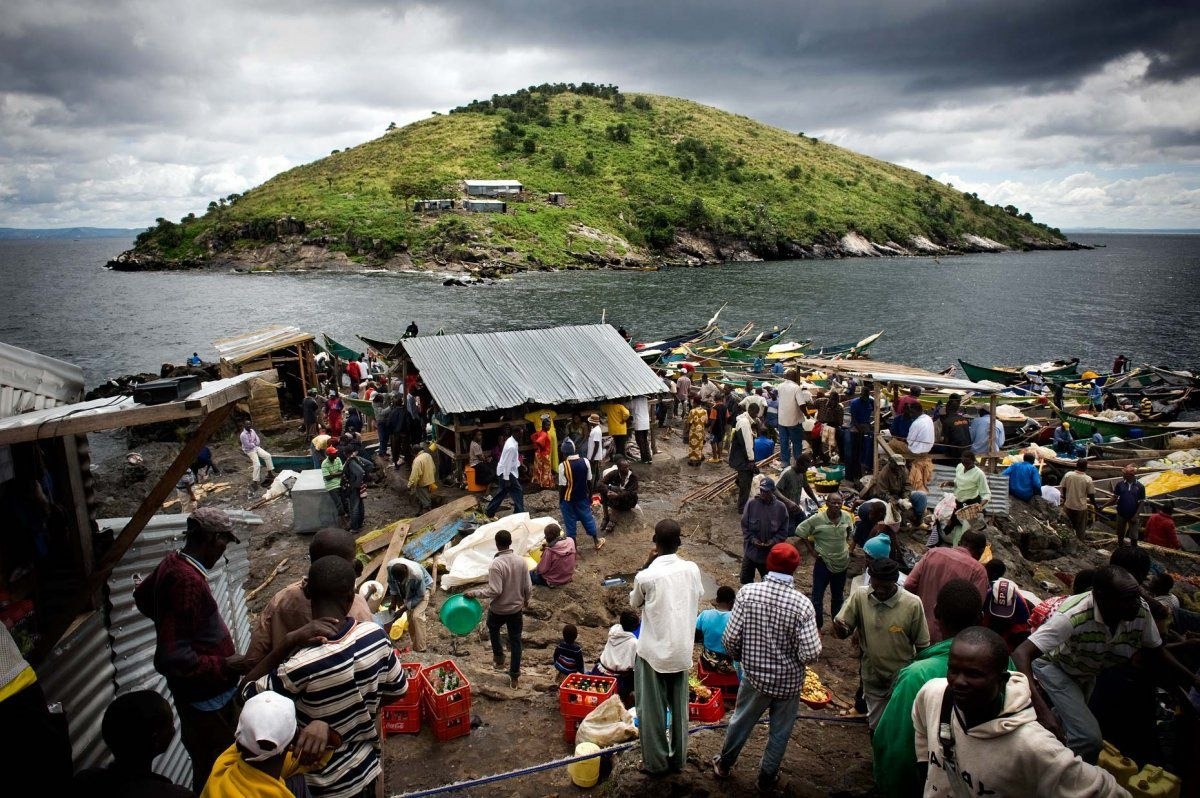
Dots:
(958, 606)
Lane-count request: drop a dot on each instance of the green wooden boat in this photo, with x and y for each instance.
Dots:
(1086, 426)
(1012, 376)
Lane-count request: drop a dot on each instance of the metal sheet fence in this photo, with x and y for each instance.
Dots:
(997, 484)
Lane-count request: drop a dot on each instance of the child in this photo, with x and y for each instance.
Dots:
(568, 655)
(620, 653)
(710, 626)
(339, 672)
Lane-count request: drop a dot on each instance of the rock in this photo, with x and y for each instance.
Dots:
(974, 243)
(856, 245)
(924, 246)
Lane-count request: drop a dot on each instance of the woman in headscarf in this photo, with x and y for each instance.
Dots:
(535, 418)
(543, 473)
(697, 427)
(333, 413)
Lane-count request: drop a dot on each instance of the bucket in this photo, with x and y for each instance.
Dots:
(834, 472)
(469, 479)
(460, 614)
(586, 773)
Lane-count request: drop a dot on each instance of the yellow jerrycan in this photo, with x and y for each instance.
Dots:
(1153, 782)
(586, 773)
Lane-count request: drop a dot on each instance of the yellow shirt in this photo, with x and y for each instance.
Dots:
(232, 777)
(422, 473)
(618, 414)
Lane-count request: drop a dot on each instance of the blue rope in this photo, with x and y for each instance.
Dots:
(558, 763)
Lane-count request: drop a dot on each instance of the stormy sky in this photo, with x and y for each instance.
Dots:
(1085, 113)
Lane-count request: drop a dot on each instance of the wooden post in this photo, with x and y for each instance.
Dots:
(158, 494)
(458, 453)
(878, 396)
(991, 463)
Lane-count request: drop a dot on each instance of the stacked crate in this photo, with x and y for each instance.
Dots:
(403, 716)
(448, 711)
(578, 695)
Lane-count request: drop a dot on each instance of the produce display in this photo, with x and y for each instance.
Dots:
(826, 486)
(813, 691)
(698, 693)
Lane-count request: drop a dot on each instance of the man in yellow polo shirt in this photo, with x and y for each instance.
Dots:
(618, 421)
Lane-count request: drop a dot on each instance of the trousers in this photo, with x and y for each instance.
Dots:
(751, 704)
(513, 623)
(509, 486)
(259, 452)
(656, 693)
(836, 582)
(205, 735)
(1070, 700)
(577, 512)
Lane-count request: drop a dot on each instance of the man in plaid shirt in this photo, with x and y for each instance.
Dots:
(772, 631)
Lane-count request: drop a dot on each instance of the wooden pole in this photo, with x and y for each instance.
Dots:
(158, 494)
(991, 463)
(878, 395)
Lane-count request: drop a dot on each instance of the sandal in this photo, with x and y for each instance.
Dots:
(718, 771)
(600, 543)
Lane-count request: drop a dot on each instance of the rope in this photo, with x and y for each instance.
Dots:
(558, 763)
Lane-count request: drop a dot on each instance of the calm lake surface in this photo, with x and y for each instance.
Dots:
(1140, 294)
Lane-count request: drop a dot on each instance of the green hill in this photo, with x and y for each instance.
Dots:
(647, 179)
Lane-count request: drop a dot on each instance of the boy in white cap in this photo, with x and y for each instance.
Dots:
(256, 765)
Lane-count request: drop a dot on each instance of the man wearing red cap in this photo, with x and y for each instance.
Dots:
(331, 471)
(772, 631)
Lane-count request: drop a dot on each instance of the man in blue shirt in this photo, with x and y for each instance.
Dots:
(862, 419)
(979, 432)
(1024, 481)
(710, 626)
(1128, 495)
(1064, 441)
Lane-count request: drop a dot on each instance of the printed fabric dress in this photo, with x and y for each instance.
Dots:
(543, 474)
(697, 425)
(333, 413)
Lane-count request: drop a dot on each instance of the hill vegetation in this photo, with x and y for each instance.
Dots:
(647, 179)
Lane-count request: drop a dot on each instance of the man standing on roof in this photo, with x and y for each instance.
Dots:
(252, 448)
(508, 474)
(411, 330)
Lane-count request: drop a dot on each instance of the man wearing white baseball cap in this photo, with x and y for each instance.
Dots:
(256, 764)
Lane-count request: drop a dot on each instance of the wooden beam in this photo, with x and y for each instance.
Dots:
(991, 463)
(436, 517)
(158, 494)
(134, 416)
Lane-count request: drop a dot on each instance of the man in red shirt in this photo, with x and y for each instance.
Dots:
(942, 564)
(1160, 528)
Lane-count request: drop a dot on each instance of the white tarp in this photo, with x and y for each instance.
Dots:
(468, 560)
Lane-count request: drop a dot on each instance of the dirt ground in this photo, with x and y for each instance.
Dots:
(522, 727)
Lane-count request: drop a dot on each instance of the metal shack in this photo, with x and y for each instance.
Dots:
(428, 205)
(287, 351)
(56, 561)
(486, 206)
(482, 381)
(493, 188)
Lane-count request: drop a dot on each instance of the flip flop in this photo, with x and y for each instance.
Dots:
(600, 543)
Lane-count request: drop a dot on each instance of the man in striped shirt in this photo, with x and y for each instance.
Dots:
(1089, 634)
(337, 681)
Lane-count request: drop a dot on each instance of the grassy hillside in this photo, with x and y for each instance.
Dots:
(638, 170)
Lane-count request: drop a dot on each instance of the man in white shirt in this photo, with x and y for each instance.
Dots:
(920, 443)
(595, 447)
(667, 591)
(683, 389)
(792, 412)
(507, 474)
(639, 407)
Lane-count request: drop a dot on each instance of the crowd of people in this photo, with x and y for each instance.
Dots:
(968, 684)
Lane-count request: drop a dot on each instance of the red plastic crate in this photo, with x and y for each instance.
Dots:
(449, 728)
(449, 704)
(717, 678)
(570, 729)
(412, 697)
(576, 703)
(710, 711)
(401, 720)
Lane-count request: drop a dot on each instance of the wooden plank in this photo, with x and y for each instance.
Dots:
(432, 541)
(86, 422)
(158, 494)
(435, 517)
(382, 541)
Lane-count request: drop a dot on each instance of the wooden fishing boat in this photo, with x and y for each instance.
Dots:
(338, 350)
(845, 351)
(383, 349)
(1083, 426)
(1011, 376)
(667, 344)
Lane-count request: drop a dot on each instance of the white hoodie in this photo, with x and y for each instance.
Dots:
(620, 652)
(1012, 755)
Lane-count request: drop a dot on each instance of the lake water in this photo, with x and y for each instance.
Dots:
(1140, 294)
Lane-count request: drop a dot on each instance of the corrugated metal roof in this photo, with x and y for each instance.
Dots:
(122, 411)
(132, 634)
(30, 381)
(78, 673)
(997, 484)
(560, 365)
(241, 348)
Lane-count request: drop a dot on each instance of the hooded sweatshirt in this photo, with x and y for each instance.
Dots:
(620, 651)
(557, 565)
(1011, 755)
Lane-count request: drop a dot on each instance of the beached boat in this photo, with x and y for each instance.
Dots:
(383, 349)
(1084, 426)
(1005, 375)
(338, 350)
(845, 351)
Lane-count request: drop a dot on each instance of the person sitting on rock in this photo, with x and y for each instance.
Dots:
(618, 491)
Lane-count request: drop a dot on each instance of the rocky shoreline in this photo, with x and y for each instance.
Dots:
(298, 253)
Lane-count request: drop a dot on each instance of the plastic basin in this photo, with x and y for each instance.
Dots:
(460, 614)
